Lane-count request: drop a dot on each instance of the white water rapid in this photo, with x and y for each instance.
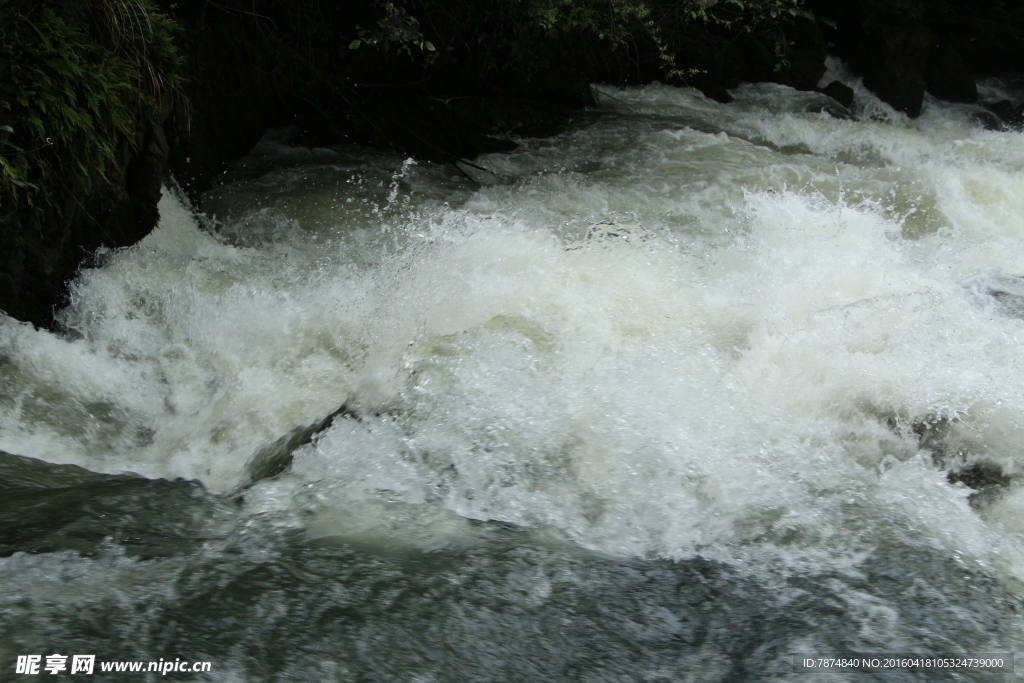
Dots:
(748, 332)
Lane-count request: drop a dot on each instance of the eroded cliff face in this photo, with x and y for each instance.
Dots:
(282, 64)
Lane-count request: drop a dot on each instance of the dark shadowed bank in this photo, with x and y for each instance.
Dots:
(101, 99)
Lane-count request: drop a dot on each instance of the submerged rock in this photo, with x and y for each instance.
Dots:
(833, 109)
(979, 476)
(988, 120)
(1008, 291)
(626, 232)
(275, 458)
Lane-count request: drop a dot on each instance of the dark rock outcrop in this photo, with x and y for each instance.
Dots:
(806, 67)
(840, 92)
(717, 61)
(892, 58)
(887, 44)
(903, 48)
(805, 58)
(123, 211)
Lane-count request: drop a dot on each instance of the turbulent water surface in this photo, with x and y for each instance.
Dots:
(679, 393)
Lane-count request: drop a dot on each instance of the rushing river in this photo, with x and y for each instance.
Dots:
(677, 394)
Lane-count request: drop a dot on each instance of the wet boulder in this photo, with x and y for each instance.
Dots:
(275, 458)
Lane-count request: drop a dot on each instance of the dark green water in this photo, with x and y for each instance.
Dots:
(127, 568)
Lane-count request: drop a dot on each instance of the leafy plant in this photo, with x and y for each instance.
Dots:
(143, 36)
(71, 99)
(397, 28)
(77, 101)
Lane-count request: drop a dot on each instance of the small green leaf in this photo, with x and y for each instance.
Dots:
(355, 44)
(429, 46)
